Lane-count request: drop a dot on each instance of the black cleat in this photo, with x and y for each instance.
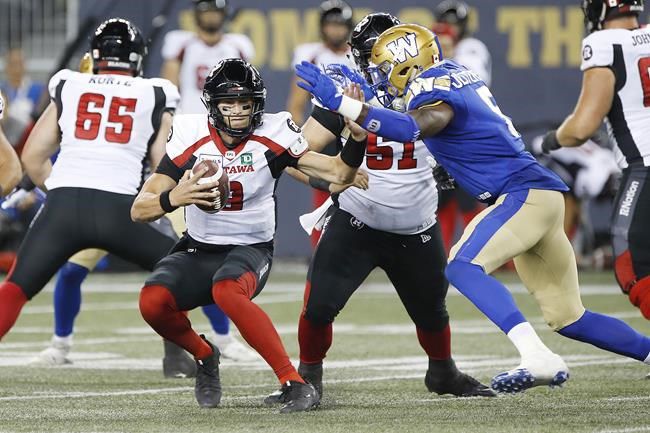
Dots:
(313, 373)
(207, 388)
(444, 378)
(299, 397)
(177, 362)
(277, 397)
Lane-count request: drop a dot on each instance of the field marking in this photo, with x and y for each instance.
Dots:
(623, 399)
(626, 430)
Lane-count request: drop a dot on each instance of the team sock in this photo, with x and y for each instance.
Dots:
(159, 310)
(436, 344)
(526, 340)
(12, 300)
(233, 297)
(609, 334)
(314, 340)
(486, 293)
(218, 319)
(67, 297)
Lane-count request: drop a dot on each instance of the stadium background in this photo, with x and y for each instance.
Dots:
(535, 48)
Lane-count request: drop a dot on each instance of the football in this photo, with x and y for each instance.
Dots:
(215, 173)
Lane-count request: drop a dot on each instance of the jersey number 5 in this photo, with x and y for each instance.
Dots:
(119, 123)
(489, 100)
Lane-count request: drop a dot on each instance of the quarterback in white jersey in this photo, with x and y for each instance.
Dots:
(225, 257)
(189, 56)
(391, 226)
(616, 89)
(10, 170)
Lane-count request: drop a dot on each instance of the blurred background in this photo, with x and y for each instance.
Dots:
(534, 46)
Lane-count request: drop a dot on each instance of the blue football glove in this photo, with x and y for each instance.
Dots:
(319, 84)
(356, 77)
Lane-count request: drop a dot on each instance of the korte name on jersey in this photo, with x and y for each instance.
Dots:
(98, 79)
(643, 38)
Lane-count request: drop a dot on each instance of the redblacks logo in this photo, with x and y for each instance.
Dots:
(239, 169)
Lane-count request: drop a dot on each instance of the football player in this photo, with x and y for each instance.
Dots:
(335, 26)
(456, 116)
(188, 56)
(105, 125)
(616, 89)
(225, 258)
(10, 170)
(365, 229)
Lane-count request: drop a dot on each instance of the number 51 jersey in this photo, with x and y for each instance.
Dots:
(107, 123)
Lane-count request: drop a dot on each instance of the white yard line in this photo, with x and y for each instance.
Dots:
(626, 430)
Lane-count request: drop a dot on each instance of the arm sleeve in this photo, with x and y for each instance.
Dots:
(167, 167)
(332, 121)
(596, 52)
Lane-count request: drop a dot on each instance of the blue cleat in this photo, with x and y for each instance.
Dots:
(551, 372)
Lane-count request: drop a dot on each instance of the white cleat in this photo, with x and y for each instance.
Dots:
(233, 349)
(56, 354)
(541, 370)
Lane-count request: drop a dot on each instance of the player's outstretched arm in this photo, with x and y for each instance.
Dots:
(161, 194)
(402, 127)
(42, 143)
(594, 103)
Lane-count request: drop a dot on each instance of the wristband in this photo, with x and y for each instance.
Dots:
(320, 184)
(550, 143)
(353, 152)
(350, 108)
(165, 204)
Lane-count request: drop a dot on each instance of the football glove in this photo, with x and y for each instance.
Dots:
(443, 179)
(549, 142)
(319, 84)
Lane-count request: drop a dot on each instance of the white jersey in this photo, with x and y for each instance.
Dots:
(474, 55)
(320, 55)
(252, 167)
(197, 60)
(402, 197)
(627, 53)
(107, 124)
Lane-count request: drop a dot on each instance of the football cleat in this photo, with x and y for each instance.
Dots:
(548, 370)
(207, 388)
(313, 373)
(177, 362)
(231, 348)
(56, 354)
(443, 377)
(300, 397)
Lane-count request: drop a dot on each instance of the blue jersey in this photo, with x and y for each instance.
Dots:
(480, 147)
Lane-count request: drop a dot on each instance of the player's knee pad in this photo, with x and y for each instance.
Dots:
(320, 314)
(155, 302)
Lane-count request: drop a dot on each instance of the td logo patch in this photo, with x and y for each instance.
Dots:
(246, 158)
(587, 52)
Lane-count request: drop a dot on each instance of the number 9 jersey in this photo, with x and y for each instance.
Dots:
(627, 54)
(480, 147)
(107, 123)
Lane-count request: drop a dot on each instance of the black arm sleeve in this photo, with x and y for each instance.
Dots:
(167, 167)
(332, 121)
(277, 163)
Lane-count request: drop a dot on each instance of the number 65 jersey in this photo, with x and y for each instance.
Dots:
(253, 168)
(627, 54)
(107, 123)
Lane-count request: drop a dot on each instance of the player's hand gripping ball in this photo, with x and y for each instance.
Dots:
(215, 173)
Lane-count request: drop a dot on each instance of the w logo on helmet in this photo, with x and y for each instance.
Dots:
(404, 47)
